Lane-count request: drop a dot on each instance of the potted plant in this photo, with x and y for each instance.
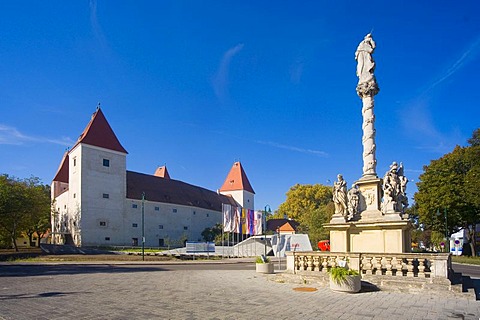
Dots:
(263, 265)
(344, 280)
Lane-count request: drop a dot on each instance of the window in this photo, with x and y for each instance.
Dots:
(160, 226)
(208, 215)
(185, 228)
(134, 206)
(134, 225)
(194, 213)
(174, 210)
(107, 238)
(134, 242)
(157, 208)
(74, 162)
(106, 196)
(103, 224)
(65, 207)
(161, 242)
(74, 195)
(106, 163)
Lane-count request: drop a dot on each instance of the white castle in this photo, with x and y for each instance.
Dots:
(97, 202)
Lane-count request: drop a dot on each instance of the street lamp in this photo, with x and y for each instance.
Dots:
(264, 227)
(143, 226)
(446, 225)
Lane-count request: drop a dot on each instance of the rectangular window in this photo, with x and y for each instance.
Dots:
(185, 228)
(160, 226)
(174, 210)
(134, 242)
(106, 196)
(157, 208)
(134, 225)
(74, 195)
(74, 162)
(107, 238)
(106, 163)
(208, 215)
(103, 224)
(161, 242)
(134, 206)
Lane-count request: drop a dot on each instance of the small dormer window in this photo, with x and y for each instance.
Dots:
(106, 163)
(74, 162)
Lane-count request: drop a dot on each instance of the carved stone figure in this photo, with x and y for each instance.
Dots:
(365, 62)
(340, 196)
(394, 189)
(353, 201)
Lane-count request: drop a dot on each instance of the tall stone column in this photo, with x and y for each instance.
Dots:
(367, 91)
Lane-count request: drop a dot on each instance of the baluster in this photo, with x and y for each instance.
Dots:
(324, 264)
(388, 266)
(367, 265)
(309, 263)
(410, 267)
(421, 268)
(316, 263)
(376, 267)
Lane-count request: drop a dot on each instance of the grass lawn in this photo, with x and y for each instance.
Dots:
(466, 260)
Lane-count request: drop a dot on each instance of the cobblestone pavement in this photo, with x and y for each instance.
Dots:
(146, 291)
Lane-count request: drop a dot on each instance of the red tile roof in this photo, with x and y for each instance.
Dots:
(162, 172)
(99, 133)
(282, 224)
(173, 191)
(237, 180)
(62, 172)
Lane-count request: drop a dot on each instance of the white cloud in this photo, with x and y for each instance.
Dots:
(220, 80)
(11, 136)
(466, 57)
(293, 148)
(96, 29)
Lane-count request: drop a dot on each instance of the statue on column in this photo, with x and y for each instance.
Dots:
(353, 201)
(340, 196)
(367, 84)
(394, 190)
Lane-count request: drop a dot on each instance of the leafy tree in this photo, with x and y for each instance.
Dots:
(450, 186)
(13, 207)
(37, 220)
(24, 208)
(311, 206)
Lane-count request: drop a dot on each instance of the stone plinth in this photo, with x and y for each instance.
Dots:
(370, 196)
(376, 236)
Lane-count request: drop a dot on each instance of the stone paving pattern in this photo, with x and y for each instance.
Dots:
(142, 292)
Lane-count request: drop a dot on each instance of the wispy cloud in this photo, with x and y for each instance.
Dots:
(95, 25)
(296, 71)
(293, 148)
(466, 56)
(220, 80)
(10, 135)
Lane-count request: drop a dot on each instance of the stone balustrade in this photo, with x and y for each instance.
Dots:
(418, 265)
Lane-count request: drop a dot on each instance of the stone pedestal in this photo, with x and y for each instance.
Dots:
(375, 236)
(370, 196)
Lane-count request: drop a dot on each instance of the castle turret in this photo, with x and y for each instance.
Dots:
(237, 185)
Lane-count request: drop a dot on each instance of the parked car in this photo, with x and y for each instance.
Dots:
(324, 245)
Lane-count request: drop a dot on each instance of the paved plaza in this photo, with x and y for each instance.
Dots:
(198, 291)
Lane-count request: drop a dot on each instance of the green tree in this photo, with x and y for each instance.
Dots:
(448, 191)
(13, 207)
(311, 206)
(37, 219)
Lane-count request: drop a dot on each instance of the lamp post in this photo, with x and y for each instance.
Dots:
(143, 226)
(264, 227)
(446, 226)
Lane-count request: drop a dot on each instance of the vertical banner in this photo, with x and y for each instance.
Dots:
(258, 223)
(243, 228)
(227, 218)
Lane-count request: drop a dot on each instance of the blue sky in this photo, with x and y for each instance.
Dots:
(197, 85)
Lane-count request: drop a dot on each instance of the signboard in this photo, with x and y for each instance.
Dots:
(198, 247)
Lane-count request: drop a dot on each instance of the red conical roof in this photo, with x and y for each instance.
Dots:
(162, 172)
(99, 133)
(62, 172)
(237, 180)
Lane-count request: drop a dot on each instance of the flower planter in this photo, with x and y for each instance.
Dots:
(351, 284)
(264, 267)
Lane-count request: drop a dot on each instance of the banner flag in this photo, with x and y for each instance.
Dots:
(250, 221)
(238, 219)
(258, 222)
(227, 218)
(243, 227)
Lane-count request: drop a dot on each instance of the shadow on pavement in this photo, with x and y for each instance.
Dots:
(4, 297)
(23, 270)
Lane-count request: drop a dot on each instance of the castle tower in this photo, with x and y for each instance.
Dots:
(90, 202)
(237, 185)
